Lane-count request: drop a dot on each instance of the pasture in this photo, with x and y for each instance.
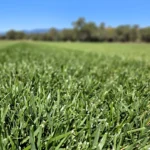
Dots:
(59, 96)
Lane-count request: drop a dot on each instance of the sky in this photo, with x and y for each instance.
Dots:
(39, 14)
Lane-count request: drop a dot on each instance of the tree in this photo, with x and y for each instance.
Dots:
(145, 34)
(88, 32)
(53, 34)
(123, 33)
(134, 33)
(111, 34)
(79, 23)
(102, 32)
(14, 35)
(67, 35)
(11, 35)
(2, 37)
(20, 35)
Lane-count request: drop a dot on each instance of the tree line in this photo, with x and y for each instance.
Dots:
(87, 31)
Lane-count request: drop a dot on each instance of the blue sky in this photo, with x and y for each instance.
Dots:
(33, 14)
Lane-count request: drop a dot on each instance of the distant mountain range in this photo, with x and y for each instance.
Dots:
(30, 31)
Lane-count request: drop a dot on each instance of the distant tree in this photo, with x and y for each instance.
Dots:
(145, 34)
(67, 35)
(77, 27)
(2, 37)
(20, 35)
(35, 37)
(123, 33)
(111, 34)
(53, 34)
(88, 32)
(79, 24)
(102, 32)
(11, 35)
(44, 37)
(134, 33)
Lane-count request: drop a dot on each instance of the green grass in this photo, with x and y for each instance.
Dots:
(138, 51)
(62, 96)
(6, 43)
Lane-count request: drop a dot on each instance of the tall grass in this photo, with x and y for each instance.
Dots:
(60, 99)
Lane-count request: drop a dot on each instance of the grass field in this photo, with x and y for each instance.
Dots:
(75, 96)
(139, 51)
(4, 44)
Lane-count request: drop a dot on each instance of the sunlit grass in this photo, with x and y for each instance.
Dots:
(54, 98)
(5, 43)
(138, 51)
